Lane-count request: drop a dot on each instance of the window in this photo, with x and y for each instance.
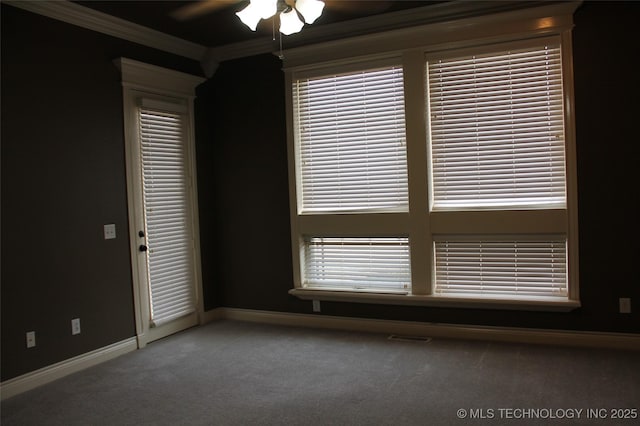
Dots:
(162, 129)
(357, 263)
(352, 158)
(500, 268)
(437, 174)
(351, 134)
(497, 143)
(497, 129)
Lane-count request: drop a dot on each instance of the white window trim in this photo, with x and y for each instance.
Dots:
(413, 45)
(391, 204)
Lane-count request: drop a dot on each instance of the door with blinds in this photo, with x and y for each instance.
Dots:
(166, 250)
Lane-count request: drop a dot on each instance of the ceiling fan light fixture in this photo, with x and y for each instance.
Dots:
(250, 16)
(310, 9)
(289, 22)
(266, 8)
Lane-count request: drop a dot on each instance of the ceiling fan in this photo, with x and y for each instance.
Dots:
(289, 11)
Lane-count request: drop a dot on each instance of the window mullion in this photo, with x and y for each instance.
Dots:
(420, 241)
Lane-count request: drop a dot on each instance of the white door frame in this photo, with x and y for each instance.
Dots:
(142, 79)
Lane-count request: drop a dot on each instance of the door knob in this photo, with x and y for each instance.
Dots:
(143, 248)
(140, 234)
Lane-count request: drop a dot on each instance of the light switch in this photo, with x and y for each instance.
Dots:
(625, 305)
(75, 326)
(31, 339)
(110, 231)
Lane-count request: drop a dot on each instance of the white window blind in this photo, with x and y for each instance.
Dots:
(351, 141)
(377, 264)
(170, 268)
(497, 129)
(510, 269)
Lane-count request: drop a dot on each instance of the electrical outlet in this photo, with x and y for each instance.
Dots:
(75, 326)
(31, 339)
(316, 306)
(625, 305)
(109, 231)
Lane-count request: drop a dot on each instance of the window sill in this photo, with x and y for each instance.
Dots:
(435, 301)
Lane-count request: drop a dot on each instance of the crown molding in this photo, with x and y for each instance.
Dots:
(430, 14)
(84, 17)
(486, 24)
(140, 75)
(382, 25)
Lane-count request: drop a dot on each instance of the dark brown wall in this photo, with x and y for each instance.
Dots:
(246, 213)
(607, 88)
(243, 186)
(63, 178)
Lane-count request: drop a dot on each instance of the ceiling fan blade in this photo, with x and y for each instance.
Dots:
(199, 8)
(354, 6)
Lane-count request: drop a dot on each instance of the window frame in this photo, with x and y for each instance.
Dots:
(488, 50)
(414, 46)
(390, 61)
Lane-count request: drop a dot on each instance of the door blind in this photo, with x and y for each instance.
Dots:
(497, 129)
(378, 264)
(170, 269)
(501, 268)
(351, 141)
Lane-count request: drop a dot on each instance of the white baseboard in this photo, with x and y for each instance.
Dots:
(626, 341)
(212, 315)
(56, 371)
